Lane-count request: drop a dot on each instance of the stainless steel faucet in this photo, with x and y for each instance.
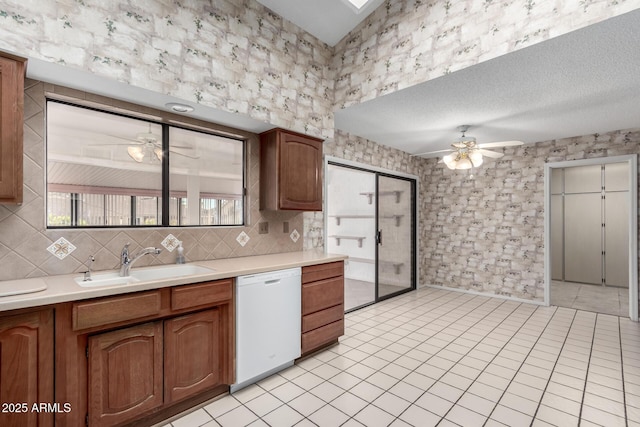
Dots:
(126, 263)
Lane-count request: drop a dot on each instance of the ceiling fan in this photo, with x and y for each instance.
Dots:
(467, 153)
(148, 144)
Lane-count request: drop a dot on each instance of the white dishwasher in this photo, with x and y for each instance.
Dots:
(268, 324)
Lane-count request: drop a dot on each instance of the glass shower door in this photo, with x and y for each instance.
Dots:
(395, 237)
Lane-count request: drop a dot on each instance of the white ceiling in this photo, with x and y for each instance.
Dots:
(584, 82)
(327, 20)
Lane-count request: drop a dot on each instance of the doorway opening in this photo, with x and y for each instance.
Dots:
(370, 215)
(590, 229)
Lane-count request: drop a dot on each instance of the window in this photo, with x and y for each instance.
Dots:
(111, 170)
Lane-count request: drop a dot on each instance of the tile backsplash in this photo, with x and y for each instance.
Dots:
(28, 249)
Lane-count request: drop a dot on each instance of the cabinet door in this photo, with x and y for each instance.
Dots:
(11, 118)
(300, 173)
(125, 373)
(26, 371)
(192, 354)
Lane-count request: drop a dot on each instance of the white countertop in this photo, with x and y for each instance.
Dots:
(63, 288)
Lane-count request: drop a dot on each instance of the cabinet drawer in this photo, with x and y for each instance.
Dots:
(322, 317)
(324, 335)
(322, 271)
(201, 294)
(323, 294)
(104, 311)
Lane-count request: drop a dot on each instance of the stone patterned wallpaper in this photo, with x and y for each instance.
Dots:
(237, 56)
(234, 55)
(24, 239)
(486, 233)
(406, 42)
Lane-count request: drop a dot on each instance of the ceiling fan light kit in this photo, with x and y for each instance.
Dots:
(463, 159)
(138, 153)
(467, 154)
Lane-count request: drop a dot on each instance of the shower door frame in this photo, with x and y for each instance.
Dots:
(337, 161)
(632, 160)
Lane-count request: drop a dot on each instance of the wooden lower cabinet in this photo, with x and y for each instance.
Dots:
(322, 305)
(139, 358)
(26, 371)
(192, 354)
(125, 373)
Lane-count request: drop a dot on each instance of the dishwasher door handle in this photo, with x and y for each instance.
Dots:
(272, 282)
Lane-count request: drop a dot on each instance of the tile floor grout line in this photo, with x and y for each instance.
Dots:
(584, 391)
(462, 333)
(444, 327)
(518, 370)
(554, 366)
(624, 394)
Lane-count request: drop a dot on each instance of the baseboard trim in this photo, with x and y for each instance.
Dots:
(484, 294)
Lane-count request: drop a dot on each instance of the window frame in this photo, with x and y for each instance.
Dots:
(165, 192)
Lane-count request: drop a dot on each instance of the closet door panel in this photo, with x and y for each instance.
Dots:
(557, 237)
(616, 177)
(583, 179)
(583, 238)
(616, 214)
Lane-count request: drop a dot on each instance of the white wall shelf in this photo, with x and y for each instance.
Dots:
(370, 195)
(340, 217)
(358, 238)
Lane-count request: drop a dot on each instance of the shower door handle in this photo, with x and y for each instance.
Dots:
(379, 237)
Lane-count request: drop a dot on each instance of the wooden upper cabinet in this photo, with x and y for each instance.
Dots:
(26, 371)
(290, 171)
(12, 71)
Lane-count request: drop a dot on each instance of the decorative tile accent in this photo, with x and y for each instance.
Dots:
(243, 238)
(170, 242)
(294, 235)
(61, 248)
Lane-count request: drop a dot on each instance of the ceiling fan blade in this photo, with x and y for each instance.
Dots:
(106, 144)
(491, 154)
(429, 153)
(500, 144)
(184, 147)
(184, 155)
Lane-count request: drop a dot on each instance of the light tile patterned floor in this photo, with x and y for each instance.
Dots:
(435, 357)
(601, 299)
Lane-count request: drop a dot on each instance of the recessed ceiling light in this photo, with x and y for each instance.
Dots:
(179, 108)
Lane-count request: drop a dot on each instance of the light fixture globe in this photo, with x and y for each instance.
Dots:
(476, 158)
(450, 160)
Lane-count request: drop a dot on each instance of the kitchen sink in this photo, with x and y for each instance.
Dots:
(105, 279)
(168, 272)
(142, 275)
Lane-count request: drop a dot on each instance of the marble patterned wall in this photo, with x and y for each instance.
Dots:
(25, 241)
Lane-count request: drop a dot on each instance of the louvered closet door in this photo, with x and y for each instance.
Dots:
(583, 238)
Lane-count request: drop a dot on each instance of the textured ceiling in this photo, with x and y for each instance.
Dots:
(584, 82)
(327, 20)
